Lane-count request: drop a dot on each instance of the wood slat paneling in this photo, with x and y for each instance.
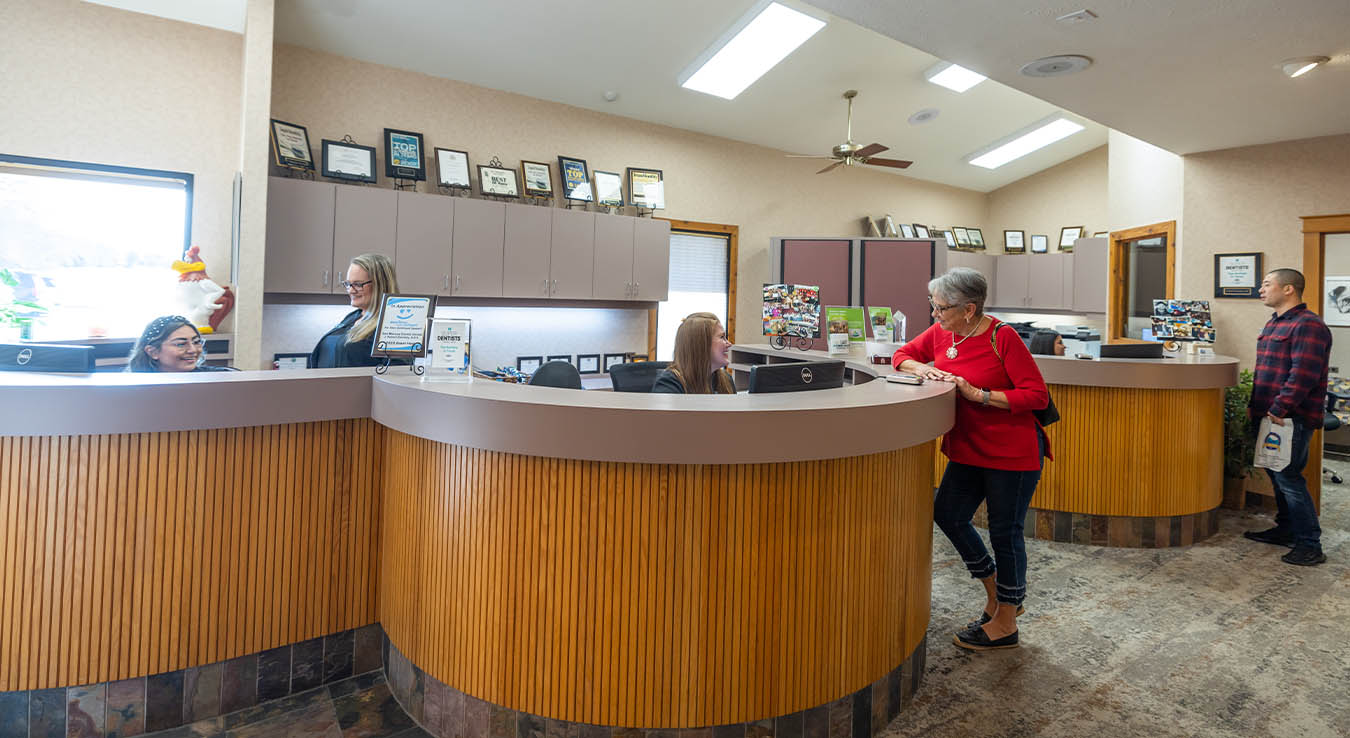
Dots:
(122, 557)
(1132, 452)
(654, 595)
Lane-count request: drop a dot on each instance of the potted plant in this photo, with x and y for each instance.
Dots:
(1239, 443)
(16, 315)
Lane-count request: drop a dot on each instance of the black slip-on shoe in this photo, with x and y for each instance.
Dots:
(1273, 536)
(1304, 556)
(984, 618)
(975, 639)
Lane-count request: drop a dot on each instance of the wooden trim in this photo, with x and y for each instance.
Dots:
(1314, 255)
(1326, 223)
(654, 595)
(733, 266)
(1117, 299)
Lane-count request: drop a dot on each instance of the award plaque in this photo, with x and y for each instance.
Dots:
(290, 146)
(537, 178)
(1239, 275)
(498, 181)
(401, 330)
(907, 230)
(452, 169)
(1014, 242)
(1040, 244)
(976, 238)
(403, 155)
(921, 230)
(962, 236)
(608, 189)
(348, 160)
(1067, 235)
(576, 181)
(645, 188)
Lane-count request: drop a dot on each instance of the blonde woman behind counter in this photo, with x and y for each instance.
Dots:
(369, 278)
(701, 358)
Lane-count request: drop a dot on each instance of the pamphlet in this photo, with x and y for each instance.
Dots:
(450, 359)
(883, 329)
(845, 326)
(1273, 445)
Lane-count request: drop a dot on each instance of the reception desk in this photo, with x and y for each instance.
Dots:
(522, 554)
(1138, 451)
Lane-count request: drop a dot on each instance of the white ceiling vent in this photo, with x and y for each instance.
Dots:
(1056, 66)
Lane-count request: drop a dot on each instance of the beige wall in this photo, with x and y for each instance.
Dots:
(1250, 199)
(88, 83)
(1069, 194)
(707, 179)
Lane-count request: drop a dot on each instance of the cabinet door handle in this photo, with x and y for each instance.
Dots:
(445, 282)
(555, 288)
(325, 278)
(637, 289)
(457, 283)
(545, 287)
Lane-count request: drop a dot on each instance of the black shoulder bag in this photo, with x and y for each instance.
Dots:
(1045, 416)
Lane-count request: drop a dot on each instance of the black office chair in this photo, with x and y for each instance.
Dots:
(557, 374)
(636, 377)
(1330, 423)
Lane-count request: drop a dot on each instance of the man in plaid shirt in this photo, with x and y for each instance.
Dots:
(1291, 387)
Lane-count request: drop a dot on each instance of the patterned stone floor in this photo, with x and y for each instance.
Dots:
(1218, 639)
(360, 707)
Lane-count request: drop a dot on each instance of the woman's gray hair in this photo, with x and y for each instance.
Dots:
(961, 285)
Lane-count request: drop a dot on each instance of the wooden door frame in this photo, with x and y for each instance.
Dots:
(732, 233)
(1117, 262)
(1315, 230)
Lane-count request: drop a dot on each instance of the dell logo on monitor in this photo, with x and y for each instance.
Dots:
(806, 375)
(24, 356)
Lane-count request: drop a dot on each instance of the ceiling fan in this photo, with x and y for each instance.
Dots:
(849, 153)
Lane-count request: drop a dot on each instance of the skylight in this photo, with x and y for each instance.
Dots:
(954, 77)
(1024, 142)
(759, 40)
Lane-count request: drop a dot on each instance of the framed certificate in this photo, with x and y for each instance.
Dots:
(576, 181)
(608, 189)
(951, 240)
(537, 178)
(921, 231)
(1239, 275)
(401, 330)
(1067, 235)
(962, 236)
(588, 363)
(452, 169)
(1014, 242)
(645, 188)
(976, 238)
(498, 181)
(612, 359)
(290, 146)
(403, 155)
(346, 160)
(1040, 244)
(907, 230)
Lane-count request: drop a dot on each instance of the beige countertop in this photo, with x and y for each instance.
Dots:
(1184, 371)
(537, 421)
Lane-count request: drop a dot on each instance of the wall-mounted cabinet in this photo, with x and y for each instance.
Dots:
(525, 251)
(299, 237)
(572, 254)
(1034, 282)
(365, 220)
(477, 248)
(422, 243)
(1090, 275)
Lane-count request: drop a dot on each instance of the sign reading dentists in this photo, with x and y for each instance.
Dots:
(449, 351)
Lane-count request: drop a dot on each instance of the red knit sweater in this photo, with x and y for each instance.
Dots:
(984, 435)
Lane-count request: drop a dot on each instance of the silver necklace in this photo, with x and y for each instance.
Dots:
(951, 352)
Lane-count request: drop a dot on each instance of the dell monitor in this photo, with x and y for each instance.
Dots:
(46, 357)
(796, 377)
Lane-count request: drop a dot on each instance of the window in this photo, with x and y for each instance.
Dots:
(92, 244)
(698, 283)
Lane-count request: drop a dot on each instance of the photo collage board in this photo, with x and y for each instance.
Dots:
(792, 310)
(1183, 320)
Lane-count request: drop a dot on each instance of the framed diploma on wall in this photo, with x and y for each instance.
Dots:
(1238, 275)
(347, 160)
(403, 155)
(452, 169)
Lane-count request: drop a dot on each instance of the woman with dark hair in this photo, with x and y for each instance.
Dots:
(170, 344)
(701, 359)
(1046, 343)
(369, 278)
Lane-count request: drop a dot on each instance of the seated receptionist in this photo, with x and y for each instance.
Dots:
(1047, 343)
(369, 278)
(700, 365)
(169, 344)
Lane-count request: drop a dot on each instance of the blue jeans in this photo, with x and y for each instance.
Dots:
(1007, 495)
(1295, 512)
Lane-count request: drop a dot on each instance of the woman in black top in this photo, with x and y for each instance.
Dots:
(1046, 343)
(170, 344)
(369, 278)
(701, 359)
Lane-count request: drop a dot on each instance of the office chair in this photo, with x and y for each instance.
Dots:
(557, 374)
(1330, 423)
(638, 377)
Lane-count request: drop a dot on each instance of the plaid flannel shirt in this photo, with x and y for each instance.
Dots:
(1291, 367)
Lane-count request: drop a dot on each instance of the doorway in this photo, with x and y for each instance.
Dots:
(1142, 263)
(1319, 233)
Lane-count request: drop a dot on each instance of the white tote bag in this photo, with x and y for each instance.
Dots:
(1274, 444)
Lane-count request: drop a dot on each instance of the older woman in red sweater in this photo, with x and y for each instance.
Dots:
(994, 450)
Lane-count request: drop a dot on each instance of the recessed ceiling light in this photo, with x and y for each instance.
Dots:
(1302, 65)
(752, 46)
(923, 116)
(1029, 139)
(1056, 66)
(953, 77)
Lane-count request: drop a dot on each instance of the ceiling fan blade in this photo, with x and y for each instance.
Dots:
(870, 149)
(806, 156)
(832, 166)
(897, 163)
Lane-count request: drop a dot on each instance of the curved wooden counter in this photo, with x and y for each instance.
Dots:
(546, 551)
(1138, 449)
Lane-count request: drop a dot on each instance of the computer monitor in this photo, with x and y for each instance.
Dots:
(45, 357)
(796, 377)
(1132, 351)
